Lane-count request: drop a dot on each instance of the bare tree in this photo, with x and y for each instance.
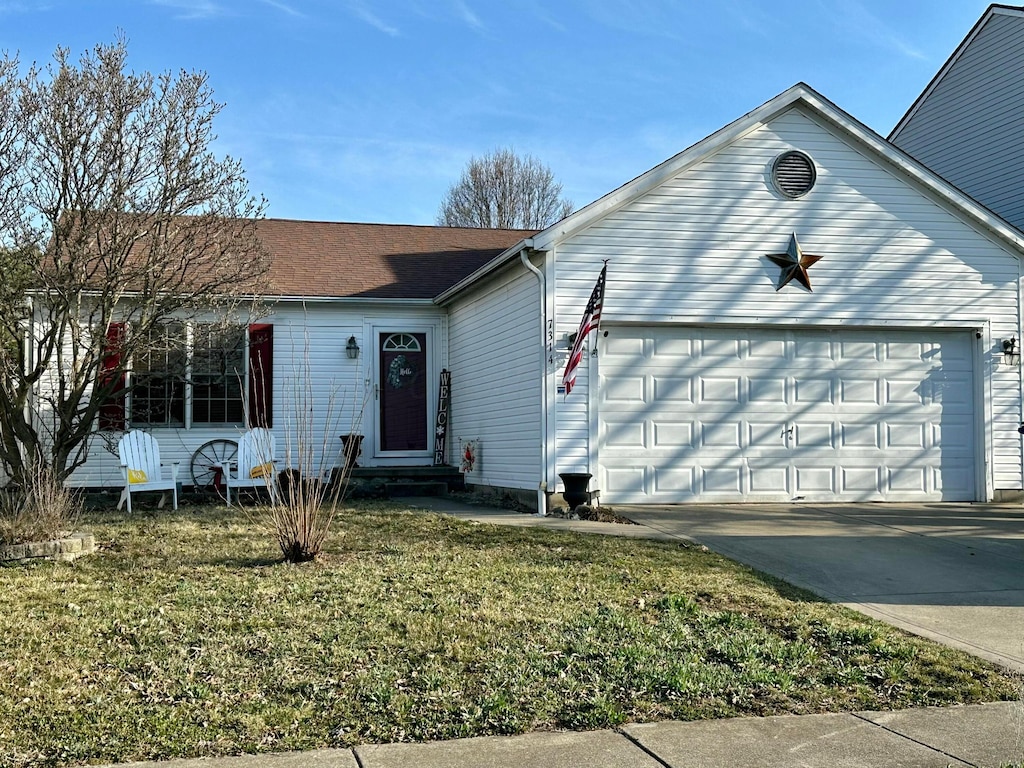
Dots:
(115, 213)
(504, 191)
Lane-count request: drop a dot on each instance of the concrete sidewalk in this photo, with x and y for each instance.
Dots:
(480, 513)
(983, 735)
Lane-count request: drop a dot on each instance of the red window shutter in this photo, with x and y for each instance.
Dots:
(261, 375)
(112, 412)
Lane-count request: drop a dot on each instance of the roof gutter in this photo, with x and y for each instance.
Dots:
(273, 298)
(497, 262)
(347, 300)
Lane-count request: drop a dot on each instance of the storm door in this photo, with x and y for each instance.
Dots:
(403, 392)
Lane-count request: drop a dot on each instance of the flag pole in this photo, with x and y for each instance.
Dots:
(597, 337)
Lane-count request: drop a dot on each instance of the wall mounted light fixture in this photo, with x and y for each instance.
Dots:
(1011, 351)
(352, 348)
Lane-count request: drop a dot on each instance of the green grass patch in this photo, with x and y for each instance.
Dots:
(186, 636)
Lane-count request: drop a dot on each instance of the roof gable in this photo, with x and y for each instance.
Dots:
(833, 119)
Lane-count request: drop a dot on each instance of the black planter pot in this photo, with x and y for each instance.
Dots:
(351, 447)
(575, 492)
(293, 485)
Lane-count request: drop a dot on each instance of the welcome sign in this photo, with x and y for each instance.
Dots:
(444, 396)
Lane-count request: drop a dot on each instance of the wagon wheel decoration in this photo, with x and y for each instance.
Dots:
(209, 463)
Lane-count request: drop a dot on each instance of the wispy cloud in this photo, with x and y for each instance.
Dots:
(650, 18)
(468, 15)
(364, 14)
(752, 17)
(193, 9)
(545, 17)
(22, 7)
(284, 8)
(853, 16)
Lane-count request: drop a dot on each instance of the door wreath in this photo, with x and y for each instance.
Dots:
(401, 373)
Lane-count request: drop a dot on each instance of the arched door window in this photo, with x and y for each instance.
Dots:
(401, 342)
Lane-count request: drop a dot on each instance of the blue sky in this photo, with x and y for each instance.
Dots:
(359, 110)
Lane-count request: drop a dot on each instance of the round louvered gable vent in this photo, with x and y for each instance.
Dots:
(793, 174)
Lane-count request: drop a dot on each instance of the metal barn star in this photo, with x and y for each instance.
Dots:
(794, 263)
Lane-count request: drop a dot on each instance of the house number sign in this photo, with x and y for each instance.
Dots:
(444, 396)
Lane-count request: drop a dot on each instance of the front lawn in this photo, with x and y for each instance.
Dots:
(186, 636)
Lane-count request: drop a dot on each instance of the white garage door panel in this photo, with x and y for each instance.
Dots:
(629, 480)
(768, 479)
(679, 480)
(625, 436)
(764, 414)
(858, 481)
(815, 480)
(669, 388)
(673, 434)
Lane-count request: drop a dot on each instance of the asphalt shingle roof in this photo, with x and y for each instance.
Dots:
(384, 261)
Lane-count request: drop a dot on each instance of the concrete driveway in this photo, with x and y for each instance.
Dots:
(950, 572)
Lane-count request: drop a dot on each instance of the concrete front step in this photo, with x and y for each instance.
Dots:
(428, 476)
(416, 488)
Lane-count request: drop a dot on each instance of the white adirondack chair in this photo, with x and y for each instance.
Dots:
(255, 464)
(142, 470)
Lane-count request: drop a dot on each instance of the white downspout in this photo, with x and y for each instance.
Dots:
(28, 350)
(542, 485)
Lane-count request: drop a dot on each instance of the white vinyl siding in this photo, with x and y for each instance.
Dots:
(494, 335)
(968, 127)
(693, 251)
(317, 388)
(309, 347)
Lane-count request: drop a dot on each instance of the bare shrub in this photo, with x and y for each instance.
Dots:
(312, 485)
(40, 509)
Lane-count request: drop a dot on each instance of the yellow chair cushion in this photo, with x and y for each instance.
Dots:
(137, 476)
(262, 470)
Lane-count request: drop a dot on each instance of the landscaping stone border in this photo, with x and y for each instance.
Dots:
(66, 549)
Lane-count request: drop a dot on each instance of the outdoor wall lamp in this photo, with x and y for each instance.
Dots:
(1011, 352)
(352, 348)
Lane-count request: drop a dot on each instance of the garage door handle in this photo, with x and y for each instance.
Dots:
(786, 432)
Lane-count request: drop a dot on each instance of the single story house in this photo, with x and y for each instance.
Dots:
(795, 309)
(345, 301)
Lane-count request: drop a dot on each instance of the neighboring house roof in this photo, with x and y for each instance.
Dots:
(799, 95)
(319, 259)
(966, 124)
(1010, 13)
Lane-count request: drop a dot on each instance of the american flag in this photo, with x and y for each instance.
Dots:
(591, 320)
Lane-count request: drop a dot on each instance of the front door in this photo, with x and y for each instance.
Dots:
(403, 392)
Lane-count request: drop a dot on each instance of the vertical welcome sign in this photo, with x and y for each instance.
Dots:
(444, 396)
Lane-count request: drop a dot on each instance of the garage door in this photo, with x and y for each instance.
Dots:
(772, 415)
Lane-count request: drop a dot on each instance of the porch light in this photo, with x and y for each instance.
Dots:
(352, 348)
(1011, 352)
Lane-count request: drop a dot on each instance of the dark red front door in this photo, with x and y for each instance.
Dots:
(403, 391)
